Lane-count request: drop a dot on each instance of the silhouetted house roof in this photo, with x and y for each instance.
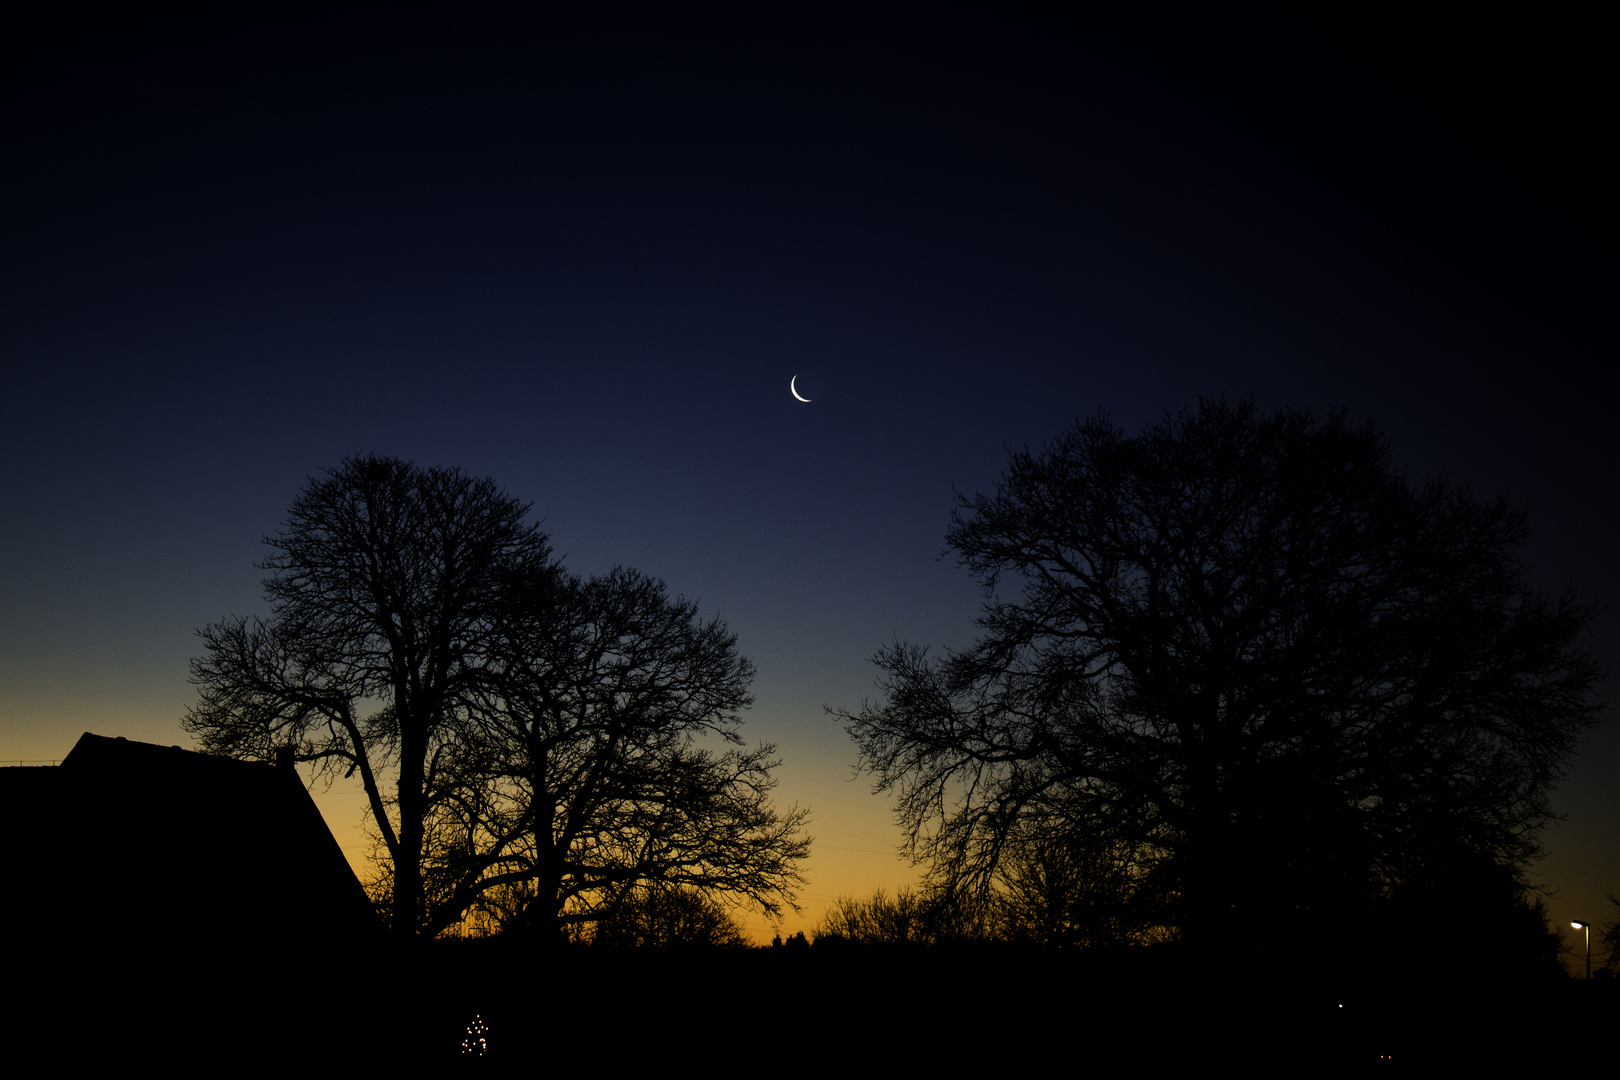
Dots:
(131, 847)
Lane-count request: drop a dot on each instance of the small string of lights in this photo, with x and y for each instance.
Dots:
(477, 1040)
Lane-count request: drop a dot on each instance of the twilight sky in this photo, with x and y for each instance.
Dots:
(584, 256)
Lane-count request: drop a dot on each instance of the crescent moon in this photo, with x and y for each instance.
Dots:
(794, 390)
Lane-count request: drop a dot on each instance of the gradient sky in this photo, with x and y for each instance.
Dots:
(585, 256)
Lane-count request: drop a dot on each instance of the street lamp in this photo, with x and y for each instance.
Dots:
(1587, 927)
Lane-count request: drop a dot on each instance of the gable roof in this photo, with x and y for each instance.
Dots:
(130, 844)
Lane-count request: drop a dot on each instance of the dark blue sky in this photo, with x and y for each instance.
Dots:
(584, 256)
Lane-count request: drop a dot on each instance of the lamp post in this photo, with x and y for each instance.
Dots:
(1587, 928)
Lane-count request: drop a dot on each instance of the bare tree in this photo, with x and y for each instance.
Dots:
(522, 737)
(663, 918)
(613, 763)
(928, 916)
(385, 585)
(878, 920)
(1246, 651)
(1061, 889)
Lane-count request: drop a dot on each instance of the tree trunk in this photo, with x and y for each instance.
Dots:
(407, 914)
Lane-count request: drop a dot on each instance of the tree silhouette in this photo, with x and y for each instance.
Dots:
(592, 766)
(1245, 655)
(920, 917)
(542, 733)
(1609, 934)
(662, 918)
(1057, 891)
(386, 583)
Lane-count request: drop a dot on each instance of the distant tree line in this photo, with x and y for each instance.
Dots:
(1477, 920)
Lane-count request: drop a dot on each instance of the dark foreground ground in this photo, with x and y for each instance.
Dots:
(789, 1009)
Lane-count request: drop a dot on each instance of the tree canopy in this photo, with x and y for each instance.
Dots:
(592, 764)
(1244, 662)
(542, 734)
